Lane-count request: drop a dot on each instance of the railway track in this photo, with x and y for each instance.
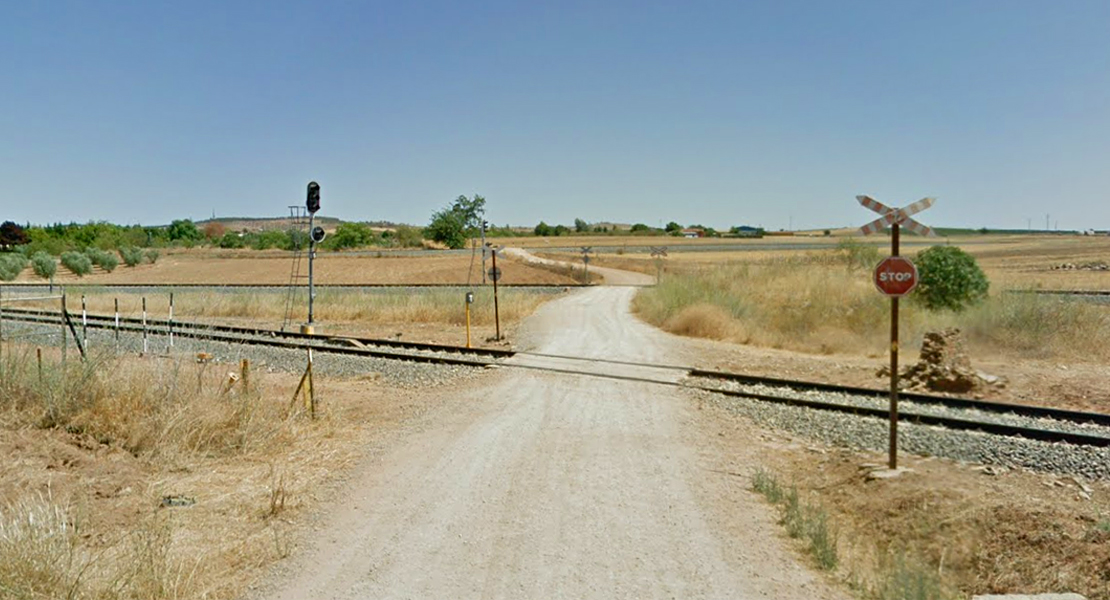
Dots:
(964, 414)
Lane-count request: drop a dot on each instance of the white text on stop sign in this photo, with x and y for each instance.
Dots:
(899, 277)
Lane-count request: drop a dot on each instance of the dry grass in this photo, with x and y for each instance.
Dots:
(215, 267)
(816, 303)
(387, 306)
(943, 532)
(98, 445)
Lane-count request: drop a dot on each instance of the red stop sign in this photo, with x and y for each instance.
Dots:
(896, 276)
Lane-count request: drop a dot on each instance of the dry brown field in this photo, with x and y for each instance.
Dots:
(1011, 262)
(207, 266)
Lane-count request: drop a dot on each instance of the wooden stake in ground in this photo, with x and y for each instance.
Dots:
(245, 374)
(305, 385)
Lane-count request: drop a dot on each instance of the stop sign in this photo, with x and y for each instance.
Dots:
(896, 276)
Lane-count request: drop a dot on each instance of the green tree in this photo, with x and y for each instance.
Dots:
(11, 265)
(448, 228)
(543, 230)
(640, 227)
(44, 265)
(77, 263)
(471, 210)
(581, 226)
(131, 255)
(673, 228)
(183, 230)
(452, 225)
(949, 278)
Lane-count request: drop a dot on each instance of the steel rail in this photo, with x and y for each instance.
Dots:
(988, 427)
(281, 286)
(258, 331)
(300, 344)
(1025, 410)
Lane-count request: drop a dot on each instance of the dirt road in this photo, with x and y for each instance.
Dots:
(541, 485)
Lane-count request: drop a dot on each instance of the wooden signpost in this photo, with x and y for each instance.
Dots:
(895, 276)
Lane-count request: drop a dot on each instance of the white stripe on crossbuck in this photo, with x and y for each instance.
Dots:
(892, 215)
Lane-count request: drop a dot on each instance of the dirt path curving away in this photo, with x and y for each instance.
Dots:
(541, 485)
(611, 276)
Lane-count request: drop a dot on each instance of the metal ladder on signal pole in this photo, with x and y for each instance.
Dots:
(298, 220)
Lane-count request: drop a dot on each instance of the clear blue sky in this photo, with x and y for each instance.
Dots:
(718, 113)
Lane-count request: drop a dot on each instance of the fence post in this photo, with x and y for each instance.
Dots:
(84, 322)
(144, 327)
(245, 371)
(117, 324)
(62, 320)
(1, 326)
(171, 320)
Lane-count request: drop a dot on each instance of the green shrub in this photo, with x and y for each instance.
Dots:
(152, 256)
(102, 258)
(77, 263)
(44, 265)
(11, 265)
(231, 240)
(264, 240)
(949, 278)
(350, 235)
(131, 255)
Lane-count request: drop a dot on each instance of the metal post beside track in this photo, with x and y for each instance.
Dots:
(84, 322)
(893, 457)
(171, 320)
(145, 348)
(496, 309)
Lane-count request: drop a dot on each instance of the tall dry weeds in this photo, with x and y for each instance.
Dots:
(826, 303)
(400, 305)
(171, 416)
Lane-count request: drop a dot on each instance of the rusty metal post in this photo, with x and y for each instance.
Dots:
(38, 354)
(245, 373)
(84, 322)
(62, 319)
(894, 243)
(117, 324)
(171, 320)
(496, 310)
(145, 348)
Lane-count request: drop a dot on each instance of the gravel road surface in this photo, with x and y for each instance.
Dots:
(545, 485)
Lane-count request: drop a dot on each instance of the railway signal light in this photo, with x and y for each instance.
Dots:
(313, 202)
(317, 234)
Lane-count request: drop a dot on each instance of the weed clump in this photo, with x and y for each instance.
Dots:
(802, 520)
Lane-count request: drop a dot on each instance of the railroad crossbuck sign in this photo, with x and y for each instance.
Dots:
(896, 276)
(895, 215)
